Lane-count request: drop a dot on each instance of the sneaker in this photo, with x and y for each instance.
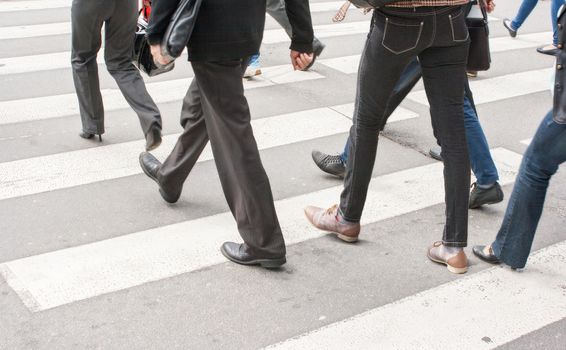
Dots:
(332, 165)
(254, 68)
(481, 196)
(507, 24)
(457, 263)
(329, 220)
(436, 153)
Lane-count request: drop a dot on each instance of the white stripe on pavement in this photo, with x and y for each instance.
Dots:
(271, 36)
(349, 64)
(502, 87)
(57, 278)
(56, 106)
(481, 311)
(64, 170)
(10, 6)
(399, 114)
(527, 141)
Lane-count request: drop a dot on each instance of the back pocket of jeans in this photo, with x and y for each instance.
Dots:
(401, 37)
(458, 27)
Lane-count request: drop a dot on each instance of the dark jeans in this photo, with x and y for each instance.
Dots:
(541, 160)
(480, 157)
(438, 36)
(216, 109)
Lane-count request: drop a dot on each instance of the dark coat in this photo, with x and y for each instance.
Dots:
(560, 81)
(231, 29)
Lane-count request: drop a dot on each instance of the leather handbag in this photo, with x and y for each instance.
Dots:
(479, 58)
(180, 28)
(142, 57)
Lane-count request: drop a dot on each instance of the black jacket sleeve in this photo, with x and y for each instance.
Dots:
(161, 13)
(299, 15)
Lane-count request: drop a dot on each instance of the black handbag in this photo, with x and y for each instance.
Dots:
(479, 58)
(142, 57)
(180, 28)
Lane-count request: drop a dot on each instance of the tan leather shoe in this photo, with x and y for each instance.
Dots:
(328, 220)
(456, 264)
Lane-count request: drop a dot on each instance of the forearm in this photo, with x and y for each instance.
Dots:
(299, 15)
(161, 12)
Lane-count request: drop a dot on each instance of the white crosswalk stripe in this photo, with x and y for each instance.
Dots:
(446, 317)
(61, 277)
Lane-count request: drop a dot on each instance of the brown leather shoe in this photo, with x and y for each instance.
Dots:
(456, 264)
(328, 220)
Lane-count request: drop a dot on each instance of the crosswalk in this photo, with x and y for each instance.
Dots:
(180, 252)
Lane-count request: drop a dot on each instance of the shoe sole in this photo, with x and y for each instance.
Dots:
(256, 73)
(345, 238)
(154, 146)
(265, 263)
(486, 203)
(456, 270)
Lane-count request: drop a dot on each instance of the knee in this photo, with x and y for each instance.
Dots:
(536, 173)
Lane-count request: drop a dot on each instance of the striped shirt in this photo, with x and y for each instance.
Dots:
(419, 3)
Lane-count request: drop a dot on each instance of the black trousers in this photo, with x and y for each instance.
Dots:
(216, 109)
(120, 20)
(438, 36)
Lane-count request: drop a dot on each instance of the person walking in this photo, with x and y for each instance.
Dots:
(525, 10)
(119, 19)
(434, 31)
(544, 155)
(276, 9)
(486, 189)
(225, 36)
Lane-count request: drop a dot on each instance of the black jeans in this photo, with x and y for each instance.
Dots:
(438, 36)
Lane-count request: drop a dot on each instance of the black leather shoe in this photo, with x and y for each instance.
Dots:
(88, 136)
(153, 138)
(436, 153)
(507, 25)
(481, 196)
(548, 50)
(317, 50)
(485, 253)
(332, 165)
(150, 166)
(238, 253)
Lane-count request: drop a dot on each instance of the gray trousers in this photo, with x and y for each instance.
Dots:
(120, 19)
(216, 109)
(276, 9)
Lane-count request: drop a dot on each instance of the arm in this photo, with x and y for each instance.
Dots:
(161, 12)
(299, 15)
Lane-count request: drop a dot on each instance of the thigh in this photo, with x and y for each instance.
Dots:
(120, 31)
(87, 17)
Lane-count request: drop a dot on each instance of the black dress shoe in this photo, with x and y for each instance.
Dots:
(88, 136)
(238, 253)
(482, 196)
(436, 153)
(317, 50)
(548, 50)
(332, 165)
(486, 254)
(153, 138)
(150, 166)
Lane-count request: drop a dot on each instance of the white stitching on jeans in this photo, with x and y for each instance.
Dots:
(452, 27)
(403, 25)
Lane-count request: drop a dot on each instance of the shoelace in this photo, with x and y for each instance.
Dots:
(332, 210)
(332, 160)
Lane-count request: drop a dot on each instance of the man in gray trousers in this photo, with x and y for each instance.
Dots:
(120, 20)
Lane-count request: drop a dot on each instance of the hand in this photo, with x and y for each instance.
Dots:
(158, 58)
(301, 61)
(489, 5)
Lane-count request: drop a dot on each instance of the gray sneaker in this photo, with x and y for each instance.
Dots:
(481, 196)
(332, 165)
(507, 25)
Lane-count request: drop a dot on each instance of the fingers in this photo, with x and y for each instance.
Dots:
(301, 61)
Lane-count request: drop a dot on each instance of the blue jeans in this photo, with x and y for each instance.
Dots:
(480, 157)
(527, 7)
(541, 160)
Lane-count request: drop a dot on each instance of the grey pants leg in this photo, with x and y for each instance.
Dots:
(225, 120)
(87, 17)
(276, 9)
(120, 17)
